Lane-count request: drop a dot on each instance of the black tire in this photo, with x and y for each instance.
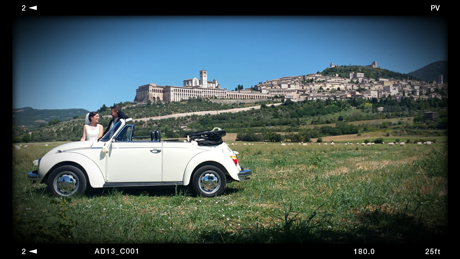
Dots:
(67, 180)
(209, 181)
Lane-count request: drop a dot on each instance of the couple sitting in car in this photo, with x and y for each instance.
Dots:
(92, 131)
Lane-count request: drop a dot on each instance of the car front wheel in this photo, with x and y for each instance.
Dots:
(66, 181)
(209, 181)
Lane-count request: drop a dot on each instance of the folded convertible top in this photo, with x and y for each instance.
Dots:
(207, 137)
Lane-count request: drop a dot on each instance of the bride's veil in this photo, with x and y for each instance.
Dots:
(87, 122)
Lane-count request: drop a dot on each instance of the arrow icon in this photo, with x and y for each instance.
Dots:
(33, 251)
(33, 8)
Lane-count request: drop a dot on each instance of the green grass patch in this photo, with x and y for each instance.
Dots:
(297, 194)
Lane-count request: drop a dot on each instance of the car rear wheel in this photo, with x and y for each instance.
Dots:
(209, 181)
(67, 180)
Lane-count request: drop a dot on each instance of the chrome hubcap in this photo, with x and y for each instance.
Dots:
(66, 183)
(209, 182)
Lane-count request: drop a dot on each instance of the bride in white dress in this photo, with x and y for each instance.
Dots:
(92, 131)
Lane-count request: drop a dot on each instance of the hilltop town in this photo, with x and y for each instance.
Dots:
(299, 88)
(358, 85)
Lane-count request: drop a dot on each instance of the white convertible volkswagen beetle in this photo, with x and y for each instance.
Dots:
(203, 161)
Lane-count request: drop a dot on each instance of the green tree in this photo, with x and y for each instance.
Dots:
(103, 108)
(273, 137)
(419, 119)
(54, 122)
(25, 137)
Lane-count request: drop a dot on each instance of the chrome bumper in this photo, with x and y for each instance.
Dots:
(33, 176)
(244, 174)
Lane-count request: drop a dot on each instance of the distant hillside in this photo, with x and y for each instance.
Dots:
(432, 71)
(32, 118)
(375, 73)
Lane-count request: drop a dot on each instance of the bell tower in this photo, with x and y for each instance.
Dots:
(204, 78)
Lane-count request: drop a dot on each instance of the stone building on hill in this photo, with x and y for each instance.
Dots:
(193, 88)
(203, 82)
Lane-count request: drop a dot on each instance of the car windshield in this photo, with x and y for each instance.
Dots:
(109, 134)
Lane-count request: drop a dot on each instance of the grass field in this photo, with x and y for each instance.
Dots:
(297, 194)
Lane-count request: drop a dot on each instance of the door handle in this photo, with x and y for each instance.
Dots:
(155, 150)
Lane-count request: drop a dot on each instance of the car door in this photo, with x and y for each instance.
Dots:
(134, 161)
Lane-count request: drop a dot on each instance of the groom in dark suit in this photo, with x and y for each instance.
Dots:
(117, 114)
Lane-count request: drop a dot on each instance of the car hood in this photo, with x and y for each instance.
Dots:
(71, 146)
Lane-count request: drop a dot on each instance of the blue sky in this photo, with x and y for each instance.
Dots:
(85, 61)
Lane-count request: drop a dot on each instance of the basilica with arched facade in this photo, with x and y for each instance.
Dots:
(192, 88)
